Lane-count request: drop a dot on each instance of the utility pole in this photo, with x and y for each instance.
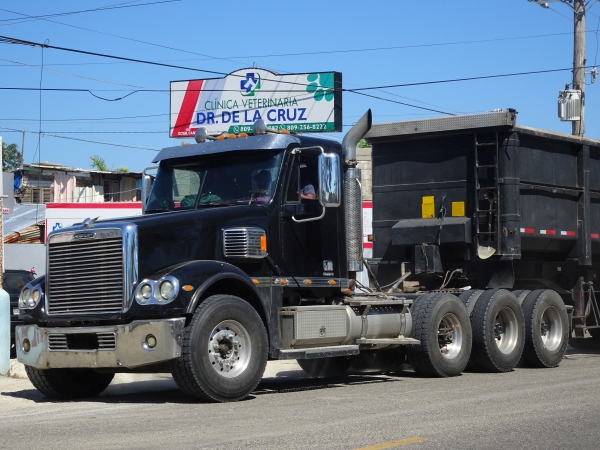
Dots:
(579, 62)
(579, 8)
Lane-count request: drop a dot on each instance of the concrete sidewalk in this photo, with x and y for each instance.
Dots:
(16, 379)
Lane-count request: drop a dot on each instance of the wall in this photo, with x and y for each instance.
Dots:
(25, 256)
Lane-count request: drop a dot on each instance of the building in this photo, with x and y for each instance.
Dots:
(52, 183)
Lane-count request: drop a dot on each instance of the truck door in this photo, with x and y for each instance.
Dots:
(310, 232)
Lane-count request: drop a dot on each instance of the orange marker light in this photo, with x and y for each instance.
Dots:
(307, 282)
(187, 288)
(332, 282)
(263, 243)
(255, 281)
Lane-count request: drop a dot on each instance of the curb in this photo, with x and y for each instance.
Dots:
(16, 370)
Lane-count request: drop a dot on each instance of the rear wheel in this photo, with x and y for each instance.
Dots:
(498, 332)
(224, 351)
(441, 324)
(68, 384)
(326, 367)
(546, 328)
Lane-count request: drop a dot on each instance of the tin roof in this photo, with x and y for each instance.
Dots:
(23, 216)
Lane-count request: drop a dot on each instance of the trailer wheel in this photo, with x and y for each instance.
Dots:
(498, 332)
(469, 299)
(441, 323)
(68, 384)
(546, 328)
(326, 367)
(224, 351)
(521, 294)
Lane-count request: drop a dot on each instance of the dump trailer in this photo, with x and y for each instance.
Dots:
(233, 262)
(479, 204)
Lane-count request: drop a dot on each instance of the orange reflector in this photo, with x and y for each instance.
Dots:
(332, 282)
(283, 281)
(370, 238)
(187, 288)
(231, 136)
(220, 138)
(263, 243)
(243, 135)
(255, 281)
(346, 291)
(284, 131)
(307, 282)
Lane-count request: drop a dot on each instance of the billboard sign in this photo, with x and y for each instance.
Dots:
(309, 102)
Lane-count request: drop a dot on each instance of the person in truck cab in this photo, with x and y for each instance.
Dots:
(307, 192)
(263, 182)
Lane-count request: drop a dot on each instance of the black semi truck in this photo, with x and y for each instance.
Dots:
(482, 232)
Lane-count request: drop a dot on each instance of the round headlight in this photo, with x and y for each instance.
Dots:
(23, 298)
(146, 291)
(166, 289)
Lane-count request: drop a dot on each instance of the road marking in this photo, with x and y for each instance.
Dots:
(411, 440)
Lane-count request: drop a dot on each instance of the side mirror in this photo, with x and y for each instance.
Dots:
(146, 186)
(330, 191)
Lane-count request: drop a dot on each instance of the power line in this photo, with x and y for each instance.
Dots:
(103, 8)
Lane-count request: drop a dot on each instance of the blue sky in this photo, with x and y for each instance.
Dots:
(377, 43)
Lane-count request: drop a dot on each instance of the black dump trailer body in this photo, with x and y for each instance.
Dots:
(478, 201)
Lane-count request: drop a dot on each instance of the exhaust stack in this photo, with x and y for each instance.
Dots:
(353, 193)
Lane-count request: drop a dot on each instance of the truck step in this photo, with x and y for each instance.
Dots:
(398, 340)
(319, 352)
(386, 302)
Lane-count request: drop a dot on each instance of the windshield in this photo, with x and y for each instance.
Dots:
(224, 179)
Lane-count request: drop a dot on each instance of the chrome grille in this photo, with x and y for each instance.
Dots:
(82, 341)
(242, 243)
(85, 276)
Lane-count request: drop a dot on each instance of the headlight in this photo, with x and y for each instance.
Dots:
(24, 298)
(146, 291)
(162, 291)
(30, 298)
(166, 289)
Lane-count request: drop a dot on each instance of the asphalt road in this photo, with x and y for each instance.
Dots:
(527, 408)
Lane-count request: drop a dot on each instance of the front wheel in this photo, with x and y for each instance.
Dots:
(441, 324)
(68, 384)
(224, 351)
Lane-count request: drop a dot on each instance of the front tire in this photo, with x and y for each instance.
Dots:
(441, 323)
(224, 351)
(546, 328)
(498, 332)
(68, 384)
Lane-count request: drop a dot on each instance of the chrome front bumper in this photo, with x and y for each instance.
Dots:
(108, 346)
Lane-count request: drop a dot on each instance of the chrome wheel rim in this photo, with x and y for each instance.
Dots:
(450, 336)
(229, 348)
(551, 328)
(506, 332)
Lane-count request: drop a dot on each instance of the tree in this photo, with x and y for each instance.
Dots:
(98, 163)
(363, 144)
(11, 157)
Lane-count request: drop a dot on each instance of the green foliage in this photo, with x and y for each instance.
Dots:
(122, 169)
(363, 144)
(98, 163)
(11, 157)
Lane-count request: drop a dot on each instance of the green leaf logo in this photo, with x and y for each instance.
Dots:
(321, 85)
